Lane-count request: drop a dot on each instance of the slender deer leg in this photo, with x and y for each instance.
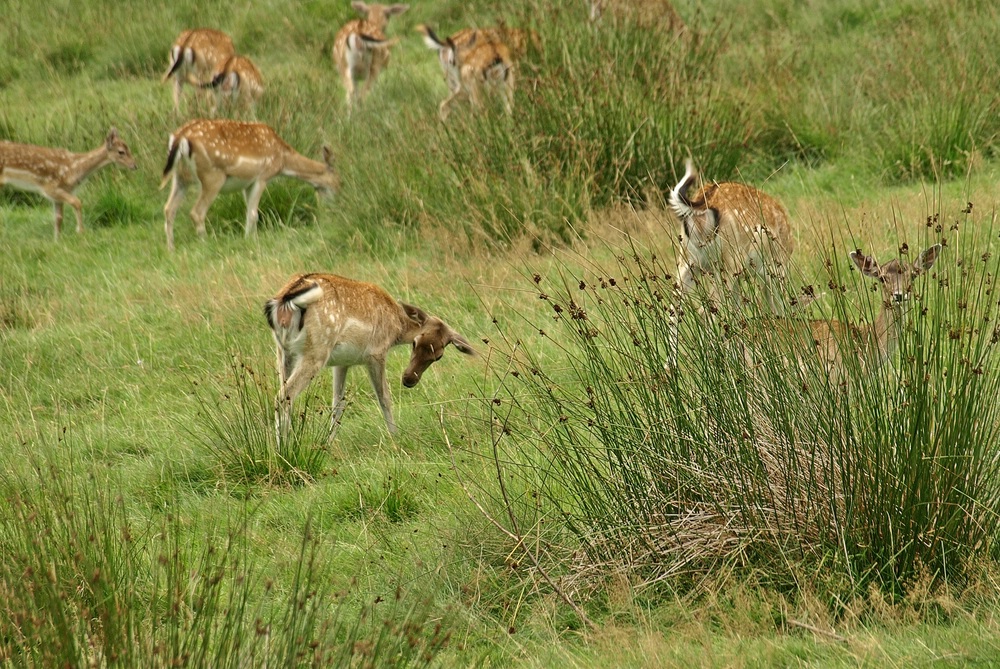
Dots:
(170, 210)
(339, 378)
(252, 197)
(376, 372)
(211, 186)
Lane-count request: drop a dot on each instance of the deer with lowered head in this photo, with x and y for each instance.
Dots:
(325, 320)
(361, 50)
(878, 340)
(57, 173)
(234, 155)
(237, 79)
(731, 232)
(479, 60)
(196, 57)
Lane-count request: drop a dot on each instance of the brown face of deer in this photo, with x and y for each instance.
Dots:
(118, 150)
(895, 276)
(428, 348)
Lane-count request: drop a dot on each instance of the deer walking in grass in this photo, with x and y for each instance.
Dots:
(57, 173)
(878, 340)
(237, 79)
(324, 320)
(225, 155)
(196, 57)
(731, 232)
(361, 50)
(647, 14)
(479, 60)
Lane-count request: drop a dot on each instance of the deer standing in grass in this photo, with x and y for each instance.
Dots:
(730, 231)
(880, 339)
(196, 57)
(233, 155)
(324, 320)
(237, 79)
(57, 173)
(647, 14)
(479, 61)
(361, 50)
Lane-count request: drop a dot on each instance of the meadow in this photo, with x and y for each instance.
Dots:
(560, 500)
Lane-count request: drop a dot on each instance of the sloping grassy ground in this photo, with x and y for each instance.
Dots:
(134, 381)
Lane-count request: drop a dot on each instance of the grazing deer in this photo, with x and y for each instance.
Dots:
(229, 155)
(879, 339)
(730, 229)
(360, 49)
(324, 320)
(57, 173)
(196, 57)
(238, 78)
(482, 61)
(647, 14)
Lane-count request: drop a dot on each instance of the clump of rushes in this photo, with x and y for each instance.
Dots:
(749, 451)
(237, 426)
(81, 585)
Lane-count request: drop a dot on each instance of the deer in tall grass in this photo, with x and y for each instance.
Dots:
(57, 173)
(877, 340)
(324, 320)
(196, 57)
(361, 50)
(237, 80)
(474, 61)
(731, 232)
(225, 155)
(648, 14)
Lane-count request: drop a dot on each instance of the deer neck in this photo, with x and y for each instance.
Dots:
(886, 328)
(408, 329)
(298, 166)
(82, 165)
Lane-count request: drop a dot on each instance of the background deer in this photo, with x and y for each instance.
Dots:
(648, 14)
(483, 61)
(360, 49)
(730, 230)
(324, 320)
(237, 79)
(195, 58)
(878, 340)
(229, 155)
(57, 173)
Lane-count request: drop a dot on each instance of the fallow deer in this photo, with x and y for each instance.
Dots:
(195, 58)
(483, 61)
(646, 14)
(324, 320)
(729, 230)
(237, 79)
(234, 155)
(878, 340)
(57, 173)
(361, 50)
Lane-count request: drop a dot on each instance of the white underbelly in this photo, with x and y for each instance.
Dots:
(347, 355)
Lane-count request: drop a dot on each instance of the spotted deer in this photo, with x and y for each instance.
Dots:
(482, 62)
(648, 14)
(237, 79)
(57, 173)
(878, 340)
(731, 232)
(325, 320)
(225, 155)
(361, 50)
(196, 57)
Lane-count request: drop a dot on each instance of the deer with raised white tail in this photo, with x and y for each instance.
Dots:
(361, 50)
(57, 173)
(878, 340)
(223, 155)
(730, 230)
(480, 61)
(324, 320)
(196, 57)
(237, 79)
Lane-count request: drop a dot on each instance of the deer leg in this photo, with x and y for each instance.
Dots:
(376, 372)
(252, 196)
(58, 206)
(211, 186)
(303, 373)
(339, 379)
(170, 210)
(684, 285)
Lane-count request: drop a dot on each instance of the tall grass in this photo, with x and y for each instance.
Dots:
(745, 455)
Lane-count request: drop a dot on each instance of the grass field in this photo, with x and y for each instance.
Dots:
(558, 500)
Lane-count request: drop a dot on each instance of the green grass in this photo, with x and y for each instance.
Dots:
(527, 511)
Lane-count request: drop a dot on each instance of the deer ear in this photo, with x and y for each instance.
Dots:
(415, 314)
(926, 259)
(328, 156)
(461, 344)
(867, 264)
(112, 136)
(360, 7)
(396, 9)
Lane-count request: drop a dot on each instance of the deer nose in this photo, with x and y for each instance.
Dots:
(410, 380)
(899, 297)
